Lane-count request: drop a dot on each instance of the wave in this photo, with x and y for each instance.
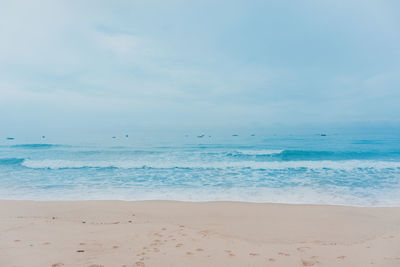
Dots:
(11, 161)
(270, 165)
(264, 152)
(288, 155)
(35, 146)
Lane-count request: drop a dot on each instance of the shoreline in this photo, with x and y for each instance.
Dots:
(200, 201)
(177, 233)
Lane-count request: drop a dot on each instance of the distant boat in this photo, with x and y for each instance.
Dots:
(235, 135)
(201, 136)
(323, 134)
(10, 138)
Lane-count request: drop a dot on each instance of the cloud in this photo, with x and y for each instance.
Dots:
(206, 63)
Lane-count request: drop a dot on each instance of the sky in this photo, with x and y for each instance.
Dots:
(195, 66)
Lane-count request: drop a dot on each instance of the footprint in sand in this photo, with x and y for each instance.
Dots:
(302, 249)
(46, 243)
(17, 240)
(139, 264)
(204, 233)
(115, 247)
(254, 254)
(82, 244)
(199, 249)
(330, 244)
(271, 260)
(179, 245)
(230, 253)
(164, 229)
(58, 264)
(189, 253)
(307, 262)
(156, 243)
(283, 254)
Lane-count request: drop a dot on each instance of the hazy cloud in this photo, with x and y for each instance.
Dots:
(198, 64)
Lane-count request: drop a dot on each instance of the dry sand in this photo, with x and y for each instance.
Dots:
(167, 233)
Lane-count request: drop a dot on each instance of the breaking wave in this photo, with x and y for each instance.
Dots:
(272, 165)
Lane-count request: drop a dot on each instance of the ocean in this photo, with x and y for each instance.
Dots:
(337, 169)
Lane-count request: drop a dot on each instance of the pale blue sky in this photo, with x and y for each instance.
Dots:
(145, 65)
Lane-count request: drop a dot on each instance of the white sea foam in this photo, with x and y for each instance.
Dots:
(293, 195)
(271, 165)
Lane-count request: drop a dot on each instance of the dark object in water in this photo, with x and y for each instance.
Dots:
(113, 137)
(10, 138)
(201, 136)
(126, 136)
(253, 135)
(43, 137)
(235, 135)
(323, 134)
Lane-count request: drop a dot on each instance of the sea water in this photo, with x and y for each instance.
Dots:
(335, 169)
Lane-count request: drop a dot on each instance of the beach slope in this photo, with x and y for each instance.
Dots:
(169, 233)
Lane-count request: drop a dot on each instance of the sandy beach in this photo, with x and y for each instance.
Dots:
(168, 233)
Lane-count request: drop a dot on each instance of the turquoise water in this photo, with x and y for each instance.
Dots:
(332, 169)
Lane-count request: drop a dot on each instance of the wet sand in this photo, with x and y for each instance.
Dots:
(168, 233)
